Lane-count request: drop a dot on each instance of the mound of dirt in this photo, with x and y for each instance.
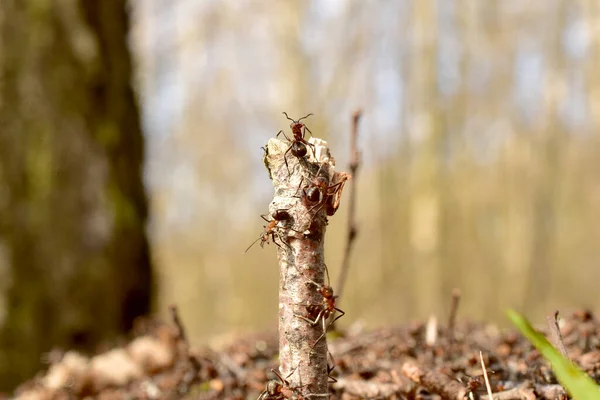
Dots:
(416, 361)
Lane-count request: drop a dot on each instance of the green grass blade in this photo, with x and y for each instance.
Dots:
(575, 381)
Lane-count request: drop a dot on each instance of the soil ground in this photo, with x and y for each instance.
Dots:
(415, 361)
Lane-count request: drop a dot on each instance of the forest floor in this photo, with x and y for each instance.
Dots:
(416, 361)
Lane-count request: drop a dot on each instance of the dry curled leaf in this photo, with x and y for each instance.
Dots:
(333, 203)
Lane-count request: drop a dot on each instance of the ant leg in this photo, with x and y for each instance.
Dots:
(283, 381)
(332, 379)
(320, 205)
(313, 323)
(300, 184)
(342, 313)
(282, 132)
(280, 238)
(335, 188)
(285, 159)
(330, 369)
(282, 241)
(312, 147)
(322, 335)
(306, 129)
(292, 229)
(325, 327)
(263, 395)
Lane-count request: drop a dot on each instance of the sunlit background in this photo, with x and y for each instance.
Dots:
(480, 147)
(480, 143)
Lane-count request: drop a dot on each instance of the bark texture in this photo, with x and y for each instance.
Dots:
(74, 264)
(302, 264)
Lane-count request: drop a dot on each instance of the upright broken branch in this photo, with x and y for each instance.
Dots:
(352, 226)
(306, 191)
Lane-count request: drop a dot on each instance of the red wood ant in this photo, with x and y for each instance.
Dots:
(270, 231)
(322, 311)
(298, 145)
(281, 390)
(319, 193)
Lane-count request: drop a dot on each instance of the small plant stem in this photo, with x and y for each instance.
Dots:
(352, 226)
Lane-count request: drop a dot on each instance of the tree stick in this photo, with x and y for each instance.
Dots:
(555, 335)
(300, 251)
(352, 226)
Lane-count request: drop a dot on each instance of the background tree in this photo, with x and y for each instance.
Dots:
(74, 261)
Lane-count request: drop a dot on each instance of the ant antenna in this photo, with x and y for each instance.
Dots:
(306, 116)
(284, 113)
(253, 243)
(294, 121)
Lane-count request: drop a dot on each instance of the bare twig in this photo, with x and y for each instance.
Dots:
(183, 339)
(555, 335)
(485, 376)
(352, 226)
(299, 240)
(434, 381)
(181, 335)
(453, 311)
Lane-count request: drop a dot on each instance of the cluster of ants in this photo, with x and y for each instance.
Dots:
(319, 193)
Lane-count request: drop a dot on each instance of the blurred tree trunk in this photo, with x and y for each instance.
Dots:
(548, 186)
(425, 127)
(74, 264)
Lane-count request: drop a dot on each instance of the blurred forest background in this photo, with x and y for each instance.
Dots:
(480, 144)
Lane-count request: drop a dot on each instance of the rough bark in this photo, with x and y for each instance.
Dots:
(73, 252)
(300, 242)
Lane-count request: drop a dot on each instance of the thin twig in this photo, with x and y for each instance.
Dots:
(183, 339)
(181, 335)
(434, 382)
(352, 226)
(555, 334)
(485, 376)
(453, 311)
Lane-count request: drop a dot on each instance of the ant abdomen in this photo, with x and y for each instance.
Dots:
(298, 149)
(313, 194)
(281, 215)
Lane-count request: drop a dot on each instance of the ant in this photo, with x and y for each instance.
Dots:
(330, 378)
(270, 229)
(474, 382)
(298, 145)
(280, 390)
(322, 311)
(318, 193)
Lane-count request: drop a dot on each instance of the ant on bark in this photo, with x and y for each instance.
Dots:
(319, 193)
(298, 145)
(270, 229)
(280, 390)
(322, 311)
